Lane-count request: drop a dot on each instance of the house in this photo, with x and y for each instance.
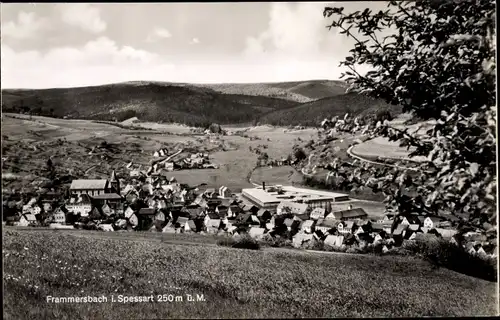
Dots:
(325, 225)
(250, 208)
(105, 227)
(18, 221)
(47, 206)
(388, 218)
(60, 215)
(147, 189)
(128, 212)
(31, 208)
(194, 211)
(351, 214)
(377, 227)
(377, 238)
(181, 222)
(80, 205)
(256, 233)
(224, 192)
(133, 220)
(264, 215)
(334, 241)
(120, 224)
(111, 198)
(346, 227)
(275, 221)
(209, 193)
(156, 154)
(307, 226)
(220, 207)
(410, 220)
(300, 238)
(212, 221)
(190, 226)
(291, 225)
(31, 218)
(106, 210)
(244, 218)
(169, 166)
(161, 204)
(446, 233)
(146, 217)
(431, 222)
(471, 248)
(231, 229)
(414, 227)
(363, 229)
(90, 187)
(169, 228)
(234, 211)
(254, 220)
(292, 207)
(160, 217)
(147, 212)
(364, 238)
(318, 213)
(400, 230)
(151, 203)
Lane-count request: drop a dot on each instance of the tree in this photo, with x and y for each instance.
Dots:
(299, 154)
(438, 65)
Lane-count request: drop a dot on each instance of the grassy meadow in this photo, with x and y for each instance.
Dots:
(235, 283)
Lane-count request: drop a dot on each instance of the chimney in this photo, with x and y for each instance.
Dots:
(263, 185)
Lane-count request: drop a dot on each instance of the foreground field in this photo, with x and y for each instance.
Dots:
(235, 283)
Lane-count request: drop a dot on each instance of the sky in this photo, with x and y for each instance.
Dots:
(79, 44)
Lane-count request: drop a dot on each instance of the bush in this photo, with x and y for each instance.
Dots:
(277, 242)
(442, 253)
(244, 242)
(313, 245)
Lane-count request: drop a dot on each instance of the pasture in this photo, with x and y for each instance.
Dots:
(235, 283)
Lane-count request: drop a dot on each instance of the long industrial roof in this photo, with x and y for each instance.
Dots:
(297, 193)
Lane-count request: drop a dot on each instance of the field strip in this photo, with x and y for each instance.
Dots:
(120, 237)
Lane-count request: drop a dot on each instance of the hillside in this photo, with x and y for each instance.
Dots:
(312, 113)
(147, 101)
(197, 104)
(299, 91)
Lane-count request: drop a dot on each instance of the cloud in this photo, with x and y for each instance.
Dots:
(194, 41)
(158, 34)
(297, 32)
(98, 61)
(294, 29)
(84, 16)
(27, 26)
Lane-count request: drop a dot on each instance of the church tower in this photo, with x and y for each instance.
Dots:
(115, 183)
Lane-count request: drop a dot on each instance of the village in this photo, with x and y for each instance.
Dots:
(150, 200)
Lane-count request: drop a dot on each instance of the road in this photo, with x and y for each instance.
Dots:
(352, 155)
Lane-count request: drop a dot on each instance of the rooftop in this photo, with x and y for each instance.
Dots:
(107, 196)
(82, 184)
(289, 193)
